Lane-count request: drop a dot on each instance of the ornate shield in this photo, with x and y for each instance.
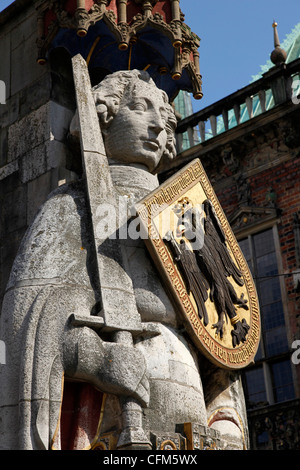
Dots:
(202, 266)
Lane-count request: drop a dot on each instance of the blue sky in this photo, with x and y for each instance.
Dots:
(236, 38)
(4, 4)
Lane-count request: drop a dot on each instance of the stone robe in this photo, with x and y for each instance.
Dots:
(54, 276)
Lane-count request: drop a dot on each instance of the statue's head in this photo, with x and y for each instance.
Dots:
(137, 121)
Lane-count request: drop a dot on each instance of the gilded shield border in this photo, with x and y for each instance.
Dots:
(192, 179)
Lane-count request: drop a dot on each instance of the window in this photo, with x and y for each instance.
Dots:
(256, 390)
(270, 381)
(282, 381)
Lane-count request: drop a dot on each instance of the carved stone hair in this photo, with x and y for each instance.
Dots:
(121, 85)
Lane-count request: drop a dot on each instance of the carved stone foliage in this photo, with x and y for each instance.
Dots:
(126, 21)
(278, 430)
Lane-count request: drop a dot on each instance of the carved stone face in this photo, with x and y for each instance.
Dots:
(137, 133)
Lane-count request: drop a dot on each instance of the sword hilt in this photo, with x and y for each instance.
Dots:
(132, 436)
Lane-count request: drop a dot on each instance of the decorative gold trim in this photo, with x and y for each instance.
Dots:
(176, 76)
(235, 320)
(163, 70)
(198, 96)
(81, 32)
(95, 439)
(168, 442)
(129, 58)
(58, 421)
(100, 446)
(92, 49)
(123, 46)
(41, 61)
(177, 43)
(241, 425)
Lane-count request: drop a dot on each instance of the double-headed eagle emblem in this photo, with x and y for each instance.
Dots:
(202, 265)
(207, 266)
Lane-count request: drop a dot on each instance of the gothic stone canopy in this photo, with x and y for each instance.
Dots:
(124, 34)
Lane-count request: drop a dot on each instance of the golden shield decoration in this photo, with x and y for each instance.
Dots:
(202, 267)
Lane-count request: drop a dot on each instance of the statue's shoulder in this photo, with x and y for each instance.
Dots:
(65, 197)
(65, 203)
(74, 189)
(56, 233)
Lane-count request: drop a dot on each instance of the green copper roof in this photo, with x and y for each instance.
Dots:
(291, 45)
(183, 103)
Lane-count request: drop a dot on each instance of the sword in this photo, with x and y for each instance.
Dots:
(99, 190)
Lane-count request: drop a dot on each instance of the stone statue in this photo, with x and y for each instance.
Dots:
(55, 365)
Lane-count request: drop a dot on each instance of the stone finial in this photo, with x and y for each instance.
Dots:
(278, 56)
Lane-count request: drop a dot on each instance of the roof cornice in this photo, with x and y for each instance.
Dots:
(14, 9)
